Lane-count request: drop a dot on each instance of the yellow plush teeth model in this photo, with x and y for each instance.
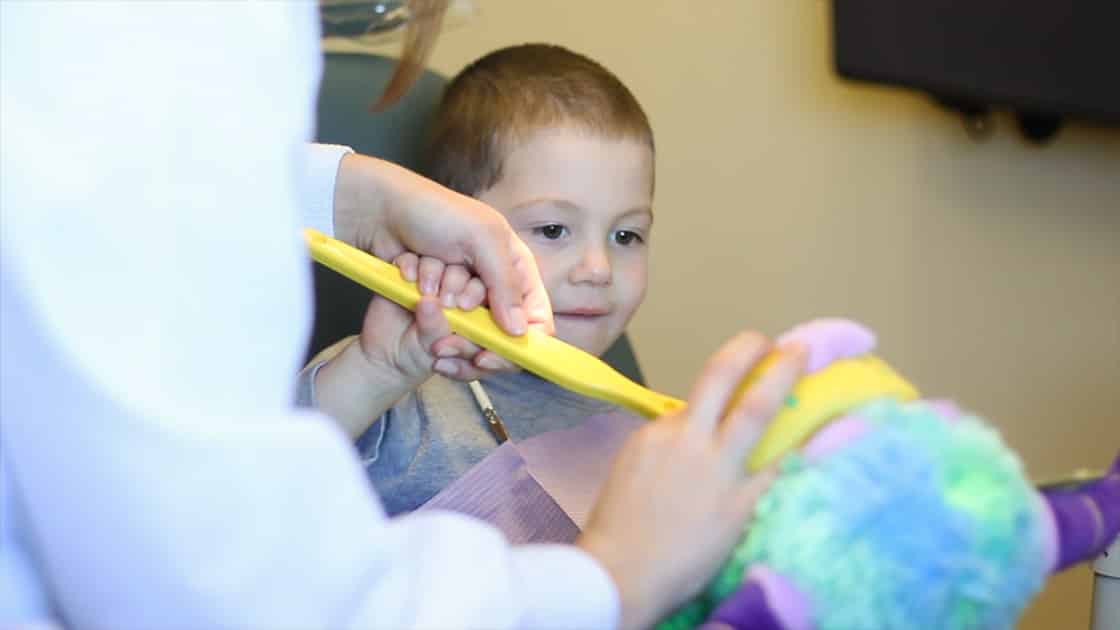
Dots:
(816, 399)
(822, 396)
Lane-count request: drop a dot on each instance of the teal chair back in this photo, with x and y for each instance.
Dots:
(350, 84)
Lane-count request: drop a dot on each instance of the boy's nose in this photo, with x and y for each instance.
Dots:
(593, 267)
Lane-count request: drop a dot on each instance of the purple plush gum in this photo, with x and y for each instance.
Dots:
(947, 409)
(847, 429)
(828, 340)
(835, 436)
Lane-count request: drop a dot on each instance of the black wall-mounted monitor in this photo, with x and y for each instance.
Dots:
(1039, 58)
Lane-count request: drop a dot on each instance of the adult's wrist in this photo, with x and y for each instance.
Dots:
(362, 196)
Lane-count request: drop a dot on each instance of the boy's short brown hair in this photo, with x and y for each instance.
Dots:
(508, 94)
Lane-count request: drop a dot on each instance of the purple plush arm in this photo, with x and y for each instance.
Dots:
(765, 601)
(1087, 519)
(746, 609)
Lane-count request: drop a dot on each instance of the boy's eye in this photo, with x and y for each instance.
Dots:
(552, 231)
(626, 237)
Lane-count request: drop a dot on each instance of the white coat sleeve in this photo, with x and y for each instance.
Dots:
(317, 185)
(149, 223)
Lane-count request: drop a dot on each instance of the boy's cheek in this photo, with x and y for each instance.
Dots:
(552, 266)
(632, 281)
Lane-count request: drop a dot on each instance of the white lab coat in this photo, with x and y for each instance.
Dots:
(155, 305)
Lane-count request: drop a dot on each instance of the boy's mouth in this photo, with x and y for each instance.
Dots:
(582, 313)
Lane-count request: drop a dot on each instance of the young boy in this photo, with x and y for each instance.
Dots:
(563, 150)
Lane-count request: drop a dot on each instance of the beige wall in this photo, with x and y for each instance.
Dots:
(991, 271)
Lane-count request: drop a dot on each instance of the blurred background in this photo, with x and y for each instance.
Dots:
(990, 270)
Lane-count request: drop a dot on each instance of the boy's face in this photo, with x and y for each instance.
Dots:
(583, 204)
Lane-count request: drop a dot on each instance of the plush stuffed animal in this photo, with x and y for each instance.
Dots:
(898, 513)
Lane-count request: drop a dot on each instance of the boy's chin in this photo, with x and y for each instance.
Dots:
(596, 347)
(575, 338)
(593, 337)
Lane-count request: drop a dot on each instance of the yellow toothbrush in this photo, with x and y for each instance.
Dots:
(545, 356)
(815, 399)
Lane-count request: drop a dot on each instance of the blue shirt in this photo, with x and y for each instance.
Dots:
(436, 434)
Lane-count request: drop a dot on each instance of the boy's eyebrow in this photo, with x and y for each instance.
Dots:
(564, 204)
(648, 210)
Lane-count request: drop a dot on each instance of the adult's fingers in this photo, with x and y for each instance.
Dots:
(744, 424)
(535, 302)
(720, 378)
(754, 487)
(497, 260)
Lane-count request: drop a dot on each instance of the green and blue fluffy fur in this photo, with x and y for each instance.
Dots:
(919, 523)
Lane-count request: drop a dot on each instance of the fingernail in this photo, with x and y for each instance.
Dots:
(447, 367)
(517, 320)
(427, 286)
(490, 362)
(447, 352)
(449, 300)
